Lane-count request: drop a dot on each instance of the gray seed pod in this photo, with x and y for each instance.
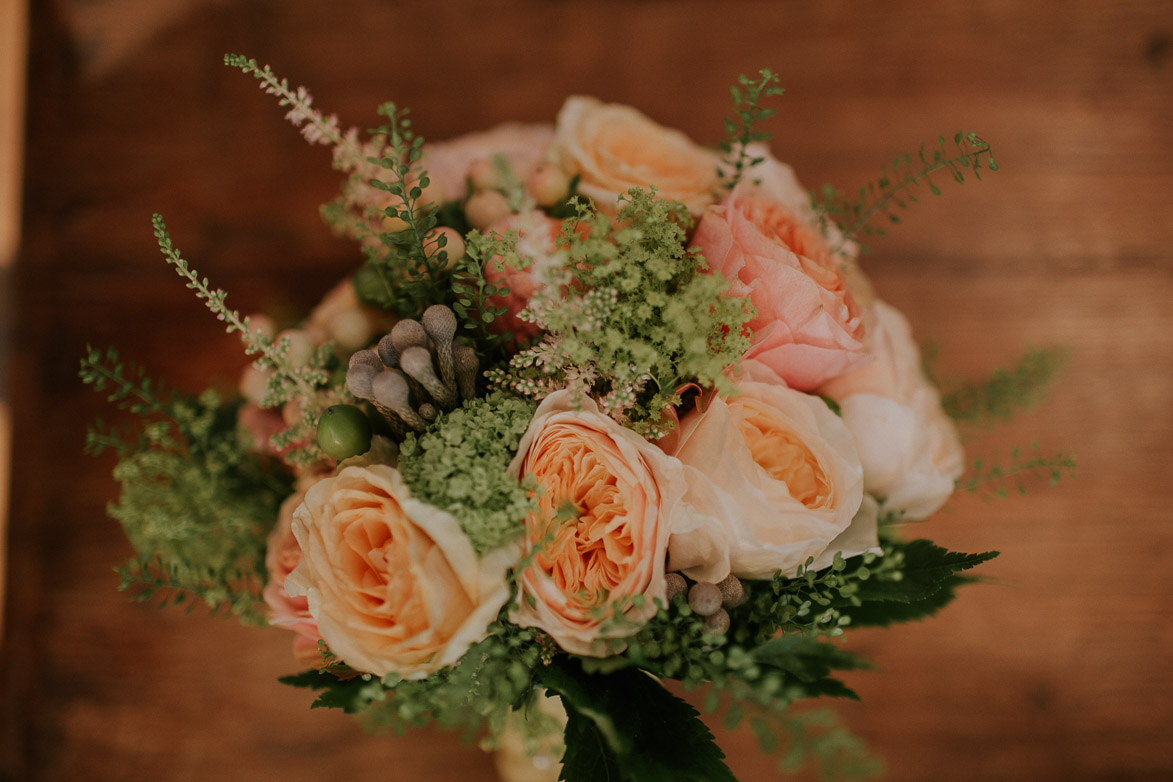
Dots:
(358, 379)
(467, 365)
(389, 389)
(676, 586)
(704, 599)
(717, 622)
(387, 352)
(365, 358)
(417, 363)
(732, 591)
(428, 412)
(408, 333)
(440, 323)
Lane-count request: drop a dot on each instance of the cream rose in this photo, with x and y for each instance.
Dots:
(909, 447)
(609, 500)
(808, 327)
(393, 583)
(774, 479)
(613, 148)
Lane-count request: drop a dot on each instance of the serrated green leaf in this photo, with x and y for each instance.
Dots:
(806, 658)
(626, 723)
(927, 569)
(884, 613)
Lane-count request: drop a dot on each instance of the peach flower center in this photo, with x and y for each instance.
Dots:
(592, 551)
(785, 459)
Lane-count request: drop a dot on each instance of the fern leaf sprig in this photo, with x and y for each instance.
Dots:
(474, 290)
(995, 480)
(998, 397)
(149, 578)
(898, 184)
(747, 94)
(131, 388)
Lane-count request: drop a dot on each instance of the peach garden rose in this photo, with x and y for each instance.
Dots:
(609, 502)
(393, 583)
(774, 479)
(808, 328)
(613, 148)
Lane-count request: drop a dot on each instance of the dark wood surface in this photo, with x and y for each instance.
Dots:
(1058, 669)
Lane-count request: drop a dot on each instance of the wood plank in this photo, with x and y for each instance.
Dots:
(1052, 671)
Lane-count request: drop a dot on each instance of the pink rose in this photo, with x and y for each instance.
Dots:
(773, 478)
(613, 148)
(808, 327)
(448, 162)
(537, 241)
(609, 502)
(393, 583)
(909, 447)
(292, 613)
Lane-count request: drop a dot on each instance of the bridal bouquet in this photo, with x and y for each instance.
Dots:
(601, 408)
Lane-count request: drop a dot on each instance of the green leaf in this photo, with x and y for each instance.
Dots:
(587, 756)
(626, 726)
(806, 658)
(927, 570)
(351, 695)
(883, 613)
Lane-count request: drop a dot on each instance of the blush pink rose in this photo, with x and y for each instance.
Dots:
(448, 162)
(609, 501)
(292, 613)
(537, 241)
(808, 327)
(774, 479)
(911, 453)
(393, 583)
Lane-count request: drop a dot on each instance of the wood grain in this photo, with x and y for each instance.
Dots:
(1058, 669)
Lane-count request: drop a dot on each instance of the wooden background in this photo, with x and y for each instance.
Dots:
(1059, 669)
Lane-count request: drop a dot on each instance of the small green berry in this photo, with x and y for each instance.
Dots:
(344, 431)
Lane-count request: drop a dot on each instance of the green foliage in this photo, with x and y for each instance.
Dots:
(827, 601)
(633, 317)
(998, 397)
(995, 480)
(411, 262)
(811, 601)
(899, 183)
(460, 465)
(196, 503)
(764, 676)
(148, 578)
(806, 658)
(495, 678)
(885, 613)
(473, 290)
(352, 693)
(740, 131)
(626, 726)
